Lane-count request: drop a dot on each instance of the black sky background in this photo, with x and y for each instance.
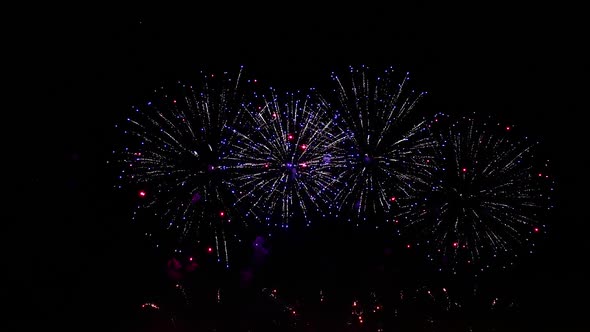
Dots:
(74, 259)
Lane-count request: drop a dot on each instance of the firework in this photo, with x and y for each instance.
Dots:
(488, 198)
(171, 161)
(281, 157)
(450, 308)
(386, 151)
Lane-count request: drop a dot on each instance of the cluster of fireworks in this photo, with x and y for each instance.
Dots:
(421, 307)
(207, 161)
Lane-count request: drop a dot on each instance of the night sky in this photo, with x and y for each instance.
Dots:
(76, 262)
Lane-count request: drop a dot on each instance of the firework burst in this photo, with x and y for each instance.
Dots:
(387, 149)
(281, 157)
(171, 160)
(489, 195)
